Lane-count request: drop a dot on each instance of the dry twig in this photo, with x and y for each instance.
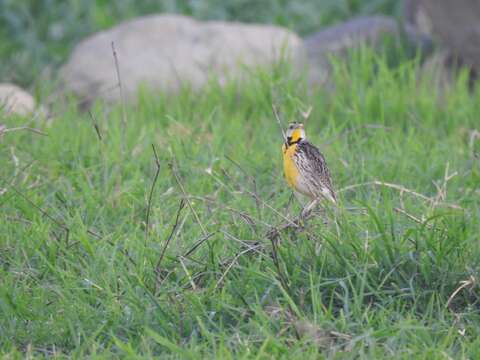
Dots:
(189, 276)
(95, 125)
(36, 131)
(274, 109)
(186, 197)
(411, 217)
(197, 245)
(230, 265)
(120, 86)
(400, 188)
(150, 196)
(463, 284)
(169, 238)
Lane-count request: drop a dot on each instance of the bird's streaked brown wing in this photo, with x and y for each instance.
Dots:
(315, 169)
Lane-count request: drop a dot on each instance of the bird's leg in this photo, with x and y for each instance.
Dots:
(307, 210)
(310, 207)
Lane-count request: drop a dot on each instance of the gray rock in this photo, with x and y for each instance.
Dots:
(14, 100)
(339, 39)
(166, 51)
(352, 33)
(455, 25)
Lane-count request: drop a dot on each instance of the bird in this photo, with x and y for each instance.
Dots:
(305, 167)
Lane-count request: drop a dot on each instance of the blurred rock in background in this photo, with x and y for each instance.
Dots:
(14, 100)
(164, 52)
(455, 27)
(337, 40)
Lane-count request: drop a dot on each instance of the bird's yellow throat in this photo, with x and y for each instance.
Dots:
(289, 167)
(295, 137)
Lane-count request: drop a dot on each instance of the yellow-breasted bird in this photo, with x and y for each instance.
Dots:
(305, 167)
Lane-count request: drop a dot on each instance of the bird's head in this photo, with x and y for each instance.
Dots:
(295, 133)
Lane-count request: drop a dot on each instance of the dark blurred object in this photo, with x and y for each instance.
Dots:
(339, 39)
(368, 29)
(454, 24)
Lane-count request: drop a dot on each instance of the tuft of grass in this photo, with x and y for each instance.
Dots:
(393, 272)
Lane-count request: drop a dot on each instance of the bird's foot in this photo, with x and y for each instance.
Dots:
(307, 210)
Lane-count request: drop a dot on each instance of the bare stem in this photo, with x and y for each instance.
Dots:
(186, 197)
(36, 131)
(120, 86)
(152, 189)
(274, 109)
(95, 125)
(170, 236)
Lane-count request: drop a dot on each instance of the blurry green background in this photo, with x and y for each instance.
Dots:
(37, 35)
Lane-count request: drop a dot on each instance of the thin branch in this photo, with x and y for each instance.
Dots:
(94, 234)
(247, 217)
(442, 190)
(189, 276)
(274, 231)
(411, 217)
(36, 131)
(400, 188)
(186, 197)
(197, 245)
(244, 243)
(296, 224)
(170, 236)
(288, 224)
(233, 262)
(274, 109)
(95, 125)
(465, 283)
(152, 189)
(120, 86)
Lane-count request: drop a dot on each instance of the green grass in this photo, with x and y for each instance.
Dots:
(369, 284)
